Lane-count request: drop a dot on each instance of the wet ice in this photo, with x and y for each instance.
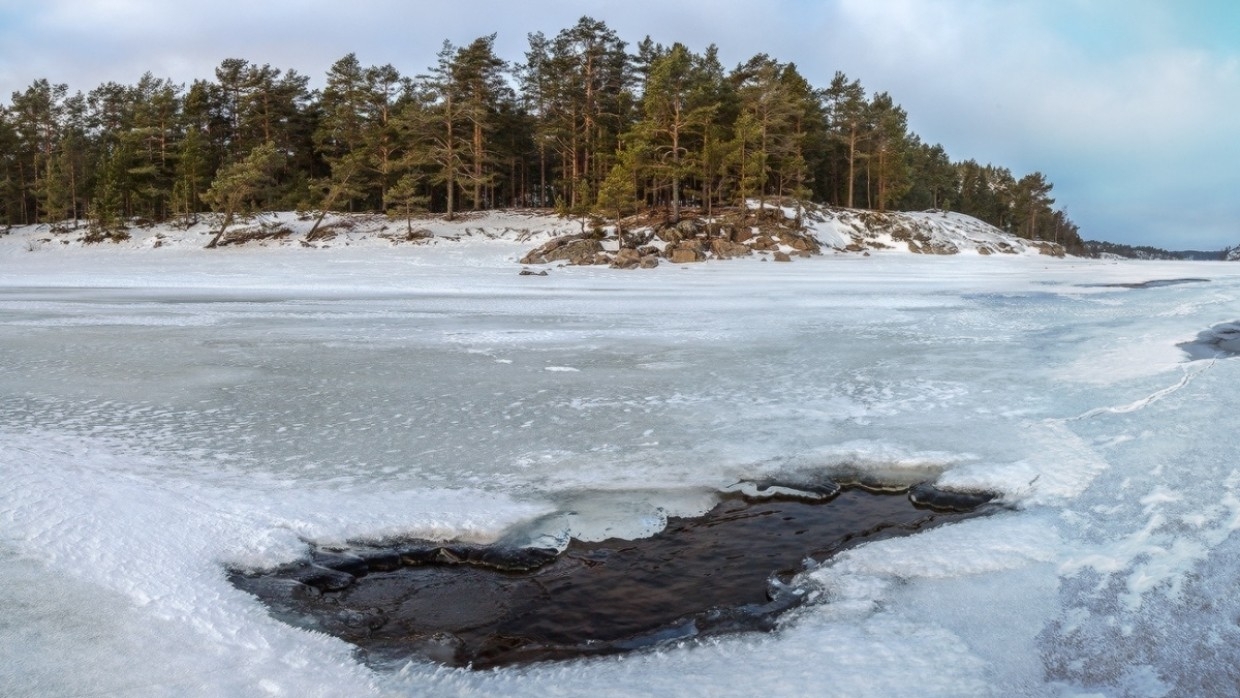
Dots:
(166, 417)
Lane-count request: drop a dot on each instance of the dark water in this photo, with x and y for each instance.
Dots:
(481, 607)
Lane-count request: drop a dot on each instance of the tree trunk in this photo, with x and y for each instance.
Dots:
(852, 164)
(228, 219)
(477, 165)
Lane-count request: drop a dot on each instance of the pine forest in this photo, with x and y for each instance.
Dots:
(582, 122)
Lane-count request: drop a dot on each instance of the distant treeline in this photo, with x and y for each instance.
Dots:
(1096, 248)
(582, 123)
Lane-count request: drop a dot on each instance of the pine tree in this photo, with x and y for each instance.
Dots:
(9, 191)
(806, 138)
(384, 88)
(239, 182)
(342, 135)
(406, 198)
(888, 143)
(445, 124)
(108, 210)
(768, 110)
(1031, 204)
(537, 95)
(478, 79)
(847, 113)
(37, 115)
(678, 107)
(747, 160)
(934, 179)
(591, 103)
(618, 192)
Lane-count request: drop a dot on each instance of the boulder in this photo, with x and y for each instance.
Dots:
(782, 257)
(628, 254)
(1051, 249)
(799, 243)
(939, 247)
(627, 258)
(724, 249)
(649, 262)
(684, 255)
(569, 248)
(669, 235)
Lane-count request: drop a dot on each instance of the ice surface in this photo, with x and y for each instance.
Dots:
(167, 412)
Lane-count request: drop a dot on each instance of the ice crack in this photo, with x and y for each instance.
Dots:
(1187, 378)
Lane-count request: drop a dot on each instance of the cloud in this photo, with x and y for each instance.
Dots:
(1129, 119)
(1117, 102)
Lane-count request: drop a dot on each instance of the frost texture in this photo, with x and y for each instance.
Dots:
(167, 412)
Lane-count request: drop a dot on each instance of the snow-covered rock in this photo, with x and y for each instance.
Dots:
(923, 232)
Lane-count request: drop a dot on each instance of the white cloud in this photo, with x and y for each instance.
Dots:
(1116, 119)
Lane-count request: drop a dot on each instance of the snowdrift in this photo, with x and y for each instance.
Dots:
(830, 230)
(921, 232)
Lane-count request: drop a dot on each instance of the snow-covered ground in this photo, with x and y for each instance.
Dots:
(165, 413)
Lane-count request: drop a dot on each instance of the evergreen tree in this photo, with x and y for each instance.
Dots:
(37, 115)
(846, 110)
(806, 138)
(10, 193)
(767, 109)
(406, 197)
(197, 156)
(384, 88)
(537, 95)
(1032, 204)
(934, 179)
(445, 125)
(678, 107)
(618, 192)
(478, 78)
(238, 183)
(342, 135)
(888, 145)
(747, 160)
(110, 116)
(590, 103)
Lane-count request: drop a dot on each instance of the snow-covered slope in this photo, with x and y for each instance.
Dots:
(925, 232)
(839, 230)
(290, 229)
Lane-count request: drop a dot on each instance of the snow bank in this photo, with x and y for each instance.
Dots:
(839, 229)
(923, 232)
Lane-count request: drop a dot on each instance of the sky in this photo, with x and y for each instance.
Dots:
(1127, 106)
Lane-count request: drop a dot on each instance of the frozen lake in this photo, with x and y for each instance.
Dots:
(165, 414)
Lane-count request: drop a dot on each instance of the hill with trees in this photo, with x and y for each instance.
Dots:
(1097, 248)
(582, 123)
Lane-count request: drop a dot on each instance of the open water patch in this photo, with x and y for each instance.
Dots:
(1220, 341)
(482, 606)
(1154, 283)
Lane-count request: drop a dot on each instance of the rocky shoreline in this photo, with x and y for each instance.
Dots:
(688, 241)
